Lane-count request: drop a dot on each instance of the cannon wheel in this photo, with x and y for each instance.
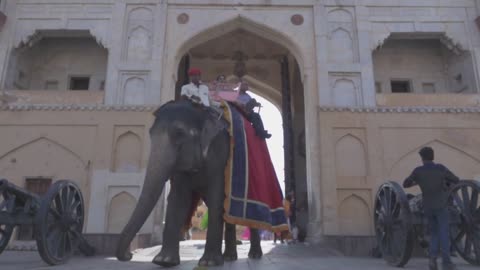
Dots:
(465, 235)
(7, 204)
(60, 222)
(393, 227)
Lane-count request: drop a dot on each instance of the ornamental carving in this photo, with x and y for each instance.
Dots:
(297, 19)
(183, 18)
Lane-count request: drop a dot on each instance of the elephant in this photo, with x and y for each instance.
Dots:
(189, 148)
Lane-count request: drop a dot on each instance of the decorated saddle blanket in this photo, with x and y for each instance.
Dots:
(253, 196)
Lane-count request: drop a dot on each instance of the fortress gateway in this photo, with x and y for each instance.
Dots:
(362, 85)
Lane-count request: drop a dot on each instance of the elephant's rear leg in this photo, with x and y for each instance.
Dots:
(255, 247)
(230, 253)
(179, 202)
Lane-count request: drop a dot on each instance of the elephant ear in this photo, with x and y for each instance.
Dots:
(210, 130)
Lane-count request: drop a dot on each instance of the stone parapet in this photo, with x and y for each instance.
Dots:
(148, 108)
(436, 99)
(35, 96)
(402, 109)
(76, 107)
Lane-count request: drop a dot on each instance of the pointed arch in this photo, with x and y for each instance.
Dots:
(240, 22)
(340, 46)
(78, 157)
(140, 13)
(127, 153)
(350, 156)
(416, 149)
(459, 161)
(44, 157)
(271, 94)
(134, 91)
(354, 216)
(345, 92)
(268, 92)
(300, 47)
(339, 15)
(139, 43)
(341, 30)
(139, 27)
(120, 209)
(341, 80)
(356, 197)
(349, 135)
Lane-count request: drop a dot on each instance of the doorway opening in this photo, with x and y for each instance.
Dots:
(273, 75)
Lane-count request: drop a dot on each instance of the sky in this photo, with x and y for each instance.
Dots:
(272, 120)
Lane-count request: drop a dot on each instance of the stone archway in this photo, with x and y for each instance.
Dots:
(241, 22)
(302, 82)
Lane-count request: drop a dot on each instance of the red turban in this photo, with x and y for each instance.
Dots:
(194, 71)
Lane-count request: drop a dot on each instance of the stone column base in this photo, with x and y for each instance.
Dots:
(352, 245)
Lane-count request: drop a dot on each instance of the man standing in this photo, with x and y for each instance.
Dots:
(248, 103)
(195, 90)
(434, 180)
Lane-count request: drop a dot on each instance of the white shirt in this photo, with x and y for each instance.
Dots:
(201, 92)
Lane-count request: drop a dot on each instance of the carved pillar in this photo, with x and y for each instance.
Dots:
(3, 19)
(186, 79)
(182, 75)
(287, 126)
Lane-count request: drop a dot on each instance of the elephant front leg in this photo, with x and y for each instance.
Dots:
(255, 247)
(212, 255)
(230, 253)
(179, 201)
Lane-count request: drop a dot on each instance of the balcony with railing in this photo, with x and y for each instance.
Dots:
(426, 69)
(428, 100)
(15, 97)
(56, 67)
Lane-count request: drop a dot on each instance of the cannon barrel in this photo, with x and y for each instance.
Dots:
(19, 193)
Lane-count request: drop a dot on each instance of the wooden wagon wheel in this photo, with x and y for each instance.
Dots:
(392, 220)
(7, 205)
(465, 234)
(60, 222)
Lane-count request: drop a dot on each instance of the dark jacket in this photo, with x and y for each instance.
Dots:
(433, 180)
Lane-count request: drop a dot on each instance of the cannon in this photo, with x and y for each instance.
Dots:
(57, 219)
(400, 222)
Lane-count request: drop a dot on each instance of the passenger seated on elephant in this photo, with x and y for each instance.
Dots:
(247, 103)
(217, 86)
(196, 91)
(221, 78)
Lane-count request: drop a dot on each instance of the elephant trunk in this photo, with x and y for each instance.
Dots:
(159, 169)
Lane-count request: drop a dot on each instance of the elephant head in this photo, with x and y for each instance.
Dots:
(180, 138)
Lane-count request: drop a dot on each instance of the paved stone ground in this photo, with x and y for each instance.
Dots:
(279, 257)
